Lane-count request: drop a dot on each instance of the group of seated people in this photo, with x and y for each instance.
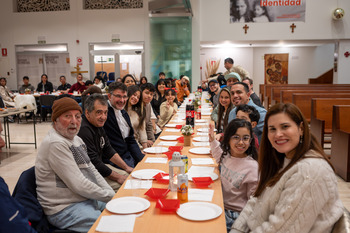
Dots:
(287, 185)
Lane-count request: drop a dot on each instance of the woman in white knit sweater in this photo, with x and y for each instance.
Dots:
(297, 190)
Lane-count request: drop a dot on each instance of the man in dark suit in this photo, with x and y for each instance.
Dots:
(118, 126)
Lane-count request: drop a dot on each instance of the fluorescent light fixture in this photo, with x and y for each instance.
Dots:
(118, 47)
(42, 48)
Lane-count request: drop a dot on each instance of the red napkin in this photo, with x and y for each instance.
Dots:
(178, 126)
(180, 139)
(175, 148)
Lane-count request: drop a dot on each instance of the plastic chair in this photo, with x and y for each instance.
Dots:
(111, 76)
(25, 194)
(46, 102)
(103, 74)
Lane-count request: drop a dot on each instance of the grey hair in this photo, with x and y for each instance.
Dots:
(89, 104)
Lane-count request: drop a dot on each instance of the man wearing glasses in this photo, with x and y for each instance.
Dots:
(118, 126)
(215, 89)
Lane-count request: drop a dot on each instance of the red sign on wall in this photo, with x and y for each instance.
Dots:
(4, 52)
(80, 61)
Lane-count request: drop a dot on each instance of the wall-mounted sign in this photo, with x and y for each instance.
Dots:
(4, 52)
(80, 61)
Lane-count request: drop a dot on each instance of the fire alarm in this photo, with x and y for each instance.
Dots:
(347, 54)
(77, 41)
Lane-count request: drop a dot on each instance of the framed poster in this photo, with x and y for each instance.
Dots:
(276, 68)
(265, 11)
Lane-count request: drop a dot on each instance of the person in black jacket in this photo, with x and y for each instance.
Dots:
(44, 85)
(97, 142)
(13, 216)
(118, 126)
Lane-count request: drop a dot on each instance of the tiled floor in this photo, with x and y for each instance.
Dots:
(22, 157)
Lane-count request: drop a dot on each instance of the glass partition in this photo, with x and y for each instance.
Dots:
(171, 47)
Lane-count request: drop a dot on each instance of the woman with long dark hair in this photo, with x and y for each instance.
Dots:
(159, 96)
(134, 107)
(297, 190)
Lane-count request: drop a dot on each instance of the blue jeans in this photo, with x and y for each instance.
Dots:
(230, 217)
(79, 216)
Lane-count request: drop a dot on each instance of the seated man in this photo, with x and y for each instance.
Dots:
(70, 189)
(64, 85)
(215, 90)
(240, 95)
(26, 86)
(147, 95)
(97, 142)
(79, 86)
(182, 88)
(118, 126)
(253, 95)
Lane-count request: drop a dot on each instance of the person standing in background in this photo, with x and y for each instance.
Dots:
(228, 63)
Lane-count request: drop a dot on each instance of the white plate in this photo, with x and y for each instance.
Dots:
(206, 113)
(170, 125)
(169, 137)
(205, 130)
(212, 175)
(155, 150)
(200, 121)
(127, 205)
(199, 211)
(200, 150)
(145, 174)
(201, 139)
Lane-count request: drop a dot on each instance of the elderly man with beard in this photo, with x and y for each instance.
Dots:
(240, 95)
(97, 142)
(70, 189)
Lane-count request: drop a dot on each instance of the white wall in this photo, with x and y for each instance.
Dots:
(67, 27)
(304, 62)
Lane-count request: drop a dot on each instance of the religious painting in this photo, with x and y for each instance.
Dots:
(276, 68)
(264, 11)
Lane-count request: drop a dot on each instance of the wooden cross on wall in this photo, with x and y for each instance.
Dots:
(78, 70)
(292, 27)
(246, 27)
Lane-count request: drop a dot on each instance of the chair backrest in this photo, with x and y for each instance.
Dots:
(103, 74)
(111, 76)
(47, 100)
(25, 193)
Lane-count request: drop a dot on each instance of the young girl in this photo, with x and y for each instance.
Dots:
(135, 109)
(167, 108)
(260, 13)
(238, 170)
(221, 112)
(98, 81)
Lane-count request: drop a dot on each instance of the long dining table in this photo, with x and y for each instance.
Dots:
(157, 221)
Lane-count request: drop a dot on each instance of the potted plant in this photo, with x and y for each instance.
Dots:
(187, 131)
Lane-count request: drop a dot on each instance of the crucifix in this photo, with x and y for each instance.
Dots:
(292, 27)
(101, 61)
(246, 27)
(77, 71)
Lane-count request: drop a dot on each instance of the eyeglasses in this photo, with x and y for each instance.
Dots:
(237, 139)
(125, 97)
